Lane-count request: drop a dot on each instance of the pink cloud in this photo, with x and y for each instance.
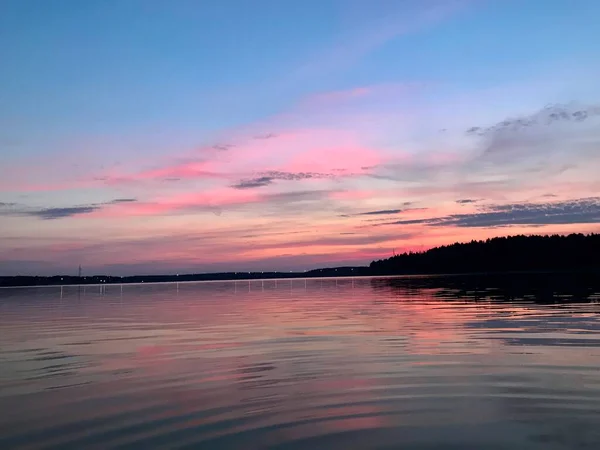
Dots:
(298, 142)
(329, 151)
(306, 150)
(211, 200)
(187, 170)
(191, 169)
(330, 159)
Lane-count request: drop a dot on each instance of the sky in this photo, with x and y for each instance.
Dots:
(146, 136)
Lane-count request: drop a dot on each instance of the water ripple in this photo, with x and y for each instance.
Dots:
(366, 363)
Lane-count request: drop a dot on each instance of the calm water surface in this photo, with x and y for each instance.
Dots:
(342, 364)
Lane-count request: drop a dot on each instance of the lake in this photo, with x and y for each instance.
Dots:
(409, 362)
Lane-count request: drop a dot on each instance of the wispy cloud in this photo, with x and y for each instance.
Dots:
(381, 212)
(267, 178)
(391, 21)
(198, 168)
(265, 136)
(123, 200)
(386, 212)
(253, 183)
(60, 213)
(223, 147)
(411, 167)
(289, 155)
(295, 176)
(219, 200)
(550, 130)
(586, 210)
(547, 116)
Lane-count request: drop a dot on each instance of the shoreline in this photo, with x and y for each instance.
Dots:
(301, 276)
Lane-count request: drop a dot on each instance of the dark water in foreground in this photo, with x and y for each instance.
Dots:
(416, 363)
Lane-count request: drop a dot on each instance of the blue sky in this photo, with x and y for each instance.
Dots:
(100, 99)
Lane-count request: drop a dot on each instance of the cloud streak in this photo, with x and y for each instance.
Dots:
(586, 210)
(223, 147)
(551, 130)
(267, 178)
(390, 22)
(122, 200)
(61, 212)
(547, 116)
(253, 183)
(265, 136)
(381, 212)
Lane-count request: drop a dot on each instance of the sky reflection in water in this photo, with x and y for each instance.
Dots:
(435, 362)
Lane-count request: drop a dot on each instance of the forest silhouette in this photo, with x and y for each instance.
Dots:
(501, 254)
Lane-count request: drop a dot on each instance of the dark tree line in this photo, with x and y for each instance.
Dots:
(514, 253)
(63, 280)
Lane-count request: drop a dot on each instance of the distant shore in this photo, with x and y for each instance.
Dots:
(63, 280)
(514, 254)
(358, 272)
